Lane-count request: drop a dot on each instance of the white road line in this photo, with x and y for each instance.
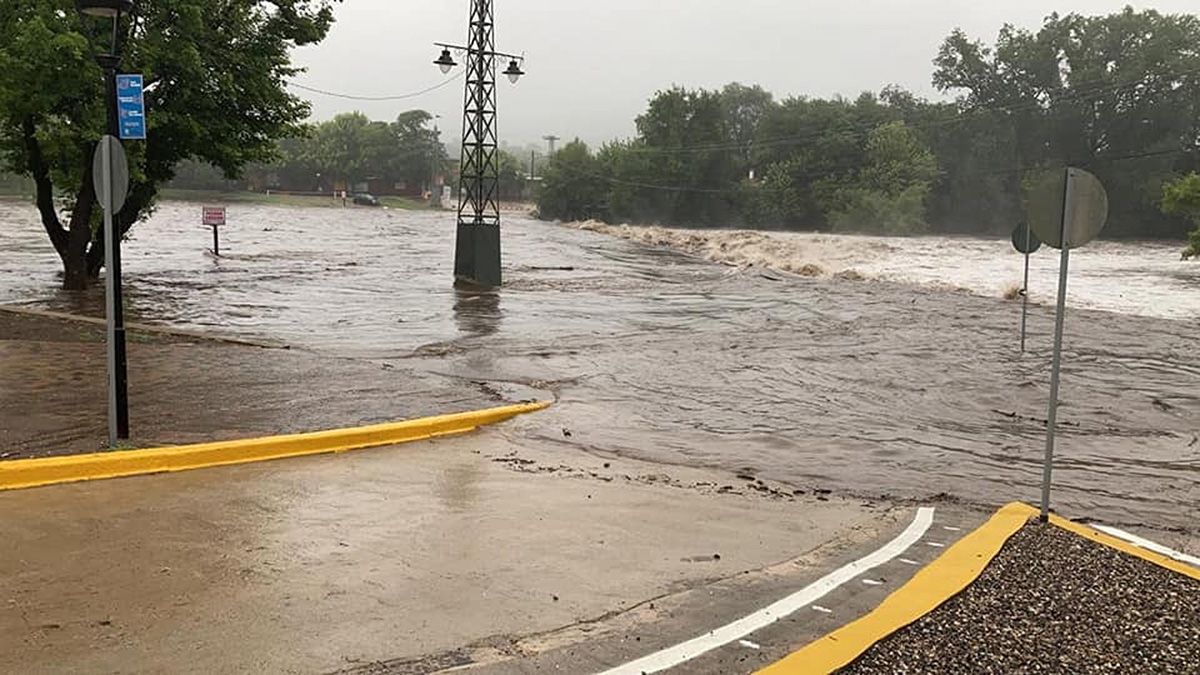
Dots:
(1147, 544)
(824, 610)
(951, 528)
(906, 561)
(686, 651)
(872, 582)
(935, 544)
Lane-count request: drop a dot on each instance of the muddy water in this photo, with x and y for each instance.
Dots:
(893, 385)
(1140, 278)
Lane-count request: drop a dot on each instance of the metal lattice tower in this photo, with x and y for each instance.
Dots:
(477, 250)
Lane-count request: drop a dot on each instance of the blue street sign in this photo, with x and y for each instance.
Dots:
(131, 108)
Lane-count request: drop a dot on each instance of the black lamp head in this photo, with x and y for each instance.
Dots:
(514, 71)
(445, 61)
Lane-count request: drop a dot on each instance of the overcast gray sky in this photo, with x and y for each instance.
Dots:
(593, 64)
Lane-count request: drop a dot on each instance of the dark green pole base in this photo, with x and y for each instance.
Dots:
(477, 255)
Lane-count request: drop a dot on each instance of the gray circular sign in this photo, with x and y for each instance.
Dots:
(1023, 237)
(1071, 202)
(113, 199)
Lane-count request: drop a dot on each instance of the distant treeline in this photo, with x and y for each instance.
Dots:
(1118, 95)
(352, 152)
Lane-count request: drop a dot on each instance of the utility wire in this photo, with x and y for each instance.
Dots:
(395, 97)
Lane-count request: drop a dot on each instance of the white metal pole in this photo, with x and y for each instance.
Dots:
(1025, 289)
(110, 301)
(1056, 362)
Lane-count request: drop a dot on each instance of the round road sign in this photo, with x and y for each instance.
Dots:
(118, 170)
(1019, 235)
(1073, 202)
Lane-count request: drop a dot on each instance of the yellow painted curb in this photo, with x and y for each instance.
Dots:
(27, 473)
(938, 581)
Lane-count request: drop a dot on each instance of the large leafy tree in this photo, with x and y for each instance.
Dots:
(419, 152)
(744, 109)
(351, 148)
(1117, 94)
(513, 176)
(214, 73)
(807, 149)
(573, 185)
(689, 162)
(888, 194)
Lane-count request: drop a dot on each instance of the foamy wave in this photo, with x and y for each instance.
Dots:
(810, 255)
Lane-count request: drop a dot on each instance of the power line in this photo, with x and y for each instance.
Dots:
(395, 97)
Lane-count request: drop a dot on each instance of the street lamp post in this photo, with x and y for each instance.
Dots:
(118, 397)
(477, 244)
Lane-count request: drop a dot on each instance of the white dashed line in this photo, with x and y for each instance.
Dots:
(686, 651)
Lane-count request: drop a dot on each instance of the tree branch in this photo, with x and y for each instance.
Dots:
(45, 187)
(138, 200)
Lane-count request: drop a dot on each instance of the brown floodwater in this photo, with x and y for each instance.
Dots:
(716, 348)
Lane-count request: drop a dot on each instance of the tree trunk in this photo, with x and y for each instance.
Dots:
(40, 172)
(74, 258)
(70, 244)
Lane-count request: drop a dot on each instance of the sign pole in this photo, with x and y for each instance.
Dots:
(118, 370)
(110, 288)
(1025, 287)
(1056, 362)
(214, 217)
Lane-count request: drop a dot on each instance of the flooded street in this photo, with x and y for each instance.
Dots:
(896, 385)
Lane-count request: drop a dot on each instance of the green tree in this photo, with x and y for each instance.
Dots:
(214, 73)
(1115, 94)
(573, 185)
(420, 153)
(350, 148)
(744, 109)
(897, 160)
(295, 165)
(336, 147)
(1182, 197)
(687, 169)
(626, 170)
(889, 193)
(776, 200)
(513, 176)
(810, 149)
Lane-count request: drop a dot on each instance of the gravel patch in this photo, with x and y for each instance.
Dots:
(1053, 602)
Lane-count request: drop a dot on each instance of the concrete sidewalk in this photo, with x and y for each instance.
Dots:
(333, 562)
